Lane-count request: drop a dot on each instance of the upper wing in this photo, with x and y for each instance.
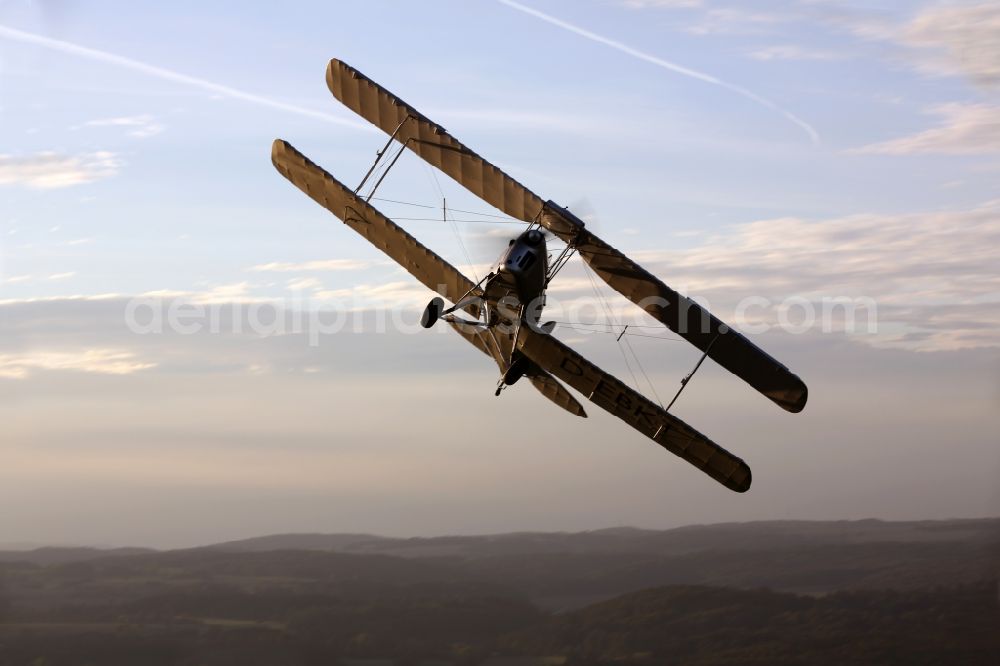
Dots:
(630, 406)
(430, 141)
(435, 145)
(695, 324)
(433, 271)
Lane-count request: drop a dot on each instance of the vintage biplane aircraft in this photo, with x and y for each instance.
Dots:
(505, 306)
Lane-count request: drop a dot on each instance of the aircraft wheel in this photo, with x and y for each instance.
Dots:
(515, 372)
(432, 312)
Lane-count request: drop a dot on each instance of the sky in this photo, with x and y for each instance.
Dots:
(191, 350)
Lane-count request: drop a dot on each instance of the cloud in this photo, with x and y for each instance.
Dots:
(932, 275)
(97, 361)
(967, 38)
(959, 39)
(947, 40)
(792, 52)
(732, 21)
(400, 294)
(304, 284)
(664, 64)
(967, 129)
(140, 127)
(318, 265)
(49, 170)
(73, 298)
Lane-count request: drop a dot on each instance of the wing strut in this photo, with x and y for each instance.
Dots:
(684, 382)
(378, 158)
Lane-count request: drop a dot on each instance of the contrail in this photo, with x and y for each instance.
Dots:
(665, 64)
(168, 75)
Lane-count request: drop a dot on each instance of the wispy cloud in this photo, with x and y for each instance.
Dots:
(733, 21)
(304, 284)
(941, 39)
(664, 64)
(966, 37)
(319, 265)
(793, 52)
(98, 361)
(140, 127)
(169, 75)
(933, 275)
(967, 129)
(51, 170)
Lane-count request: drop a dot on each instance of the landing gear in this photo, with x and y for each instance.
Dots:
(432, 312)
(515, 371)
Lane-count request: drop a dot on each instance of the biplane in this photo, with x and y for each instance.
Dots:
(500, 315)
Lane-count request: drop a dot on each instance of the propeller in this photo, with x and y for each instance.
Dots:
(487, 242)
(585, 210)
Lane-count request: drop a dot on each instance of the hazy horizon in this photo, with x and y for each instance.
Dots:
(28, 546)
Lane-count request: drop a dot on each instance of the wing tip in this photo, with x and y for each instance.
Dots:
(791, 393)
(336, 69)
(278, 146)
(741, 481)
(799, 397)
(800, 404)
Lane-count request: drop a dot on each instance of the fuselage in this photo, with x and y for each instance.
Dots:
(524, 265)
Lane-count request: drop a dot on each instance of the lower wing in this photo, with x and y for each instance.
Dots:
(433, 271)
(613, 395)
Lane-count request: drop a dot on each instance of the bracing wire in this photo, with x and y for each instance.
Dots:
(502, 218)
(643, 371)
(575, 326)
(611, 326)
(608, 314)
(452, 223)
(450, 210)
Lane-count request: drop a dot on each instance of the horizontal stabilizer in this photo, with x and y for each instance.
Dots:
(550, 387)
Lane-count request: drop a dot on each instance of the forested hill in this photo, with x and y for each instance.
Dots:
(863, 592)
